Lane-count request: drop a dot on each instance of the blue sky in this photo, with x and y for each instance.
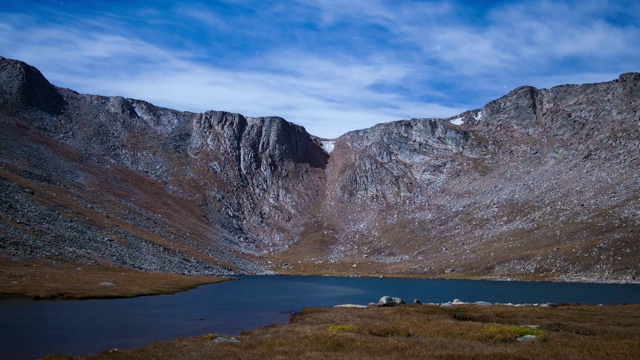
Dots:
(329, 65)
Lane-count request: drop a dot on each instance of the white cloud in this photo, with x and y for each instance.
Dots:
(321, 101)
(525, 38)
(205, 17)
(327, 96)
(552, 30)
(402, 60)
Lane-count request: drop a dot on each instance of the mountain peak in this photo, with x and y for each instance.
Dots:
(24, 85)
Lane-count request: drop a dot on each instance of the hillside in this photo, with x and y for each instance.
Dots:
(540, 184)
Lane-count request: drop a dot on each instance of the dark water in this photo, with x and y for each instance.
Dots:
(29, 329)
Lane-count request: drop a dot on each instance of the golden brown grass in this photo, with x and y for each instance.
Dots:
(422, 332)
(48, 279)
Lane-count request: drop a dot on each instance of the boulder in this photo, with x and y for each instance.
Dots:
(219, 339)
(390, 301)
(527, 338)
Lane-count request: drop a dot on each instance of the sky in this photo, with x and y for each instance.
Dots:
(331, 66)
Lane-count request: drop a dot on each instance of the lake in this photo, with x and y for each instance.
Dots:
(29, 329)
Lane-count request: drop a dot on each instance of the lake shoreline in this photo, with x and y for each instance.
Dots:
(565, 279)
(50, 279)
(416, 331)
(235, 308)
(43, 274)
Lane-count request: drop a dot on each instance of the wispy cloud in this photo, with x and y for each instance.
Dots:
(331, 66)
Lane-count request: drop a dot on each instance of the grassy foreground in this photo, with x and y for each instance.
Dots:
(421, 332)
(59, 280)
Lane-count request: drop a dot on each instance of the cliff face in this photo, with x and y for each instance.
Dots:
(119, 181)
(539, 183)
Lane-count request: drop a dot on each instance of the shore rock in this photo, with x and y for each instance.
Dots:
(527, 338)
(390, 301)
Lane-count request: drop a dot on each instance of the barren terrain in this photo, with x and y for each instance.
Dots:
(539, 184)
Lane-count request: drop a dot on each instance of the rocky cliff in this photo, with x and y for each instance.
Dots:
(119, 181)
(541, 183)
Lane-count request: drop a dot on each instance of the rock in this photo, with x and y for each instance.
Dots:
(106, 283)
(417, 302)
(24, 86)
(483, 303)
(390, 301)
(527, 338)
(219, 339)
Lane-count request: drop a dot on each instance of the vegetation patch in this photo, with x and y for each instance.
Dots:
(342, 328)
(470, 317)
(505, 333)
(48, 279)
(311, 310)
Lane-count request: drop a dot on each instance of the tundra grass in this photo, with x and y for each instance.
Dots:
(421, 332)
(59, 280)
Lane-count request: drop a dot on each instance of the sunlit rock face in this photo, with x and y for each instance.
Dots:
(540, 183)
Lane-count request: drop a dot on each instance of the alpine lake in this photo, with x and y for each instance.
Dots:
(32, 328)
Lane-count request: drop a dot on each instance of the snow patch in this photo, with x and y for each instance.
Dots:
(478, 116)
(328, 146)
(457, 121)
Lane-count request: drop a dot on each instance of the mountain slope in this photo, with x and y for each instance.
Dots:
(118, 181)
(536, 184)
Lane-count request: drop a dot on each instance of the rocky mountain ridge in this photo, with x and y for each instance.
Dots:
(537, 182)
(541, 184)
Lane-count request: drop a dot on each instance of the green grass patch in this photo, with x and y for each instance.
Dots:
(311, 310)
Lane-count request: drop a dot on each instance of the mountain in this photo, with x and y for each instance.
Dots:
(539, 184)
